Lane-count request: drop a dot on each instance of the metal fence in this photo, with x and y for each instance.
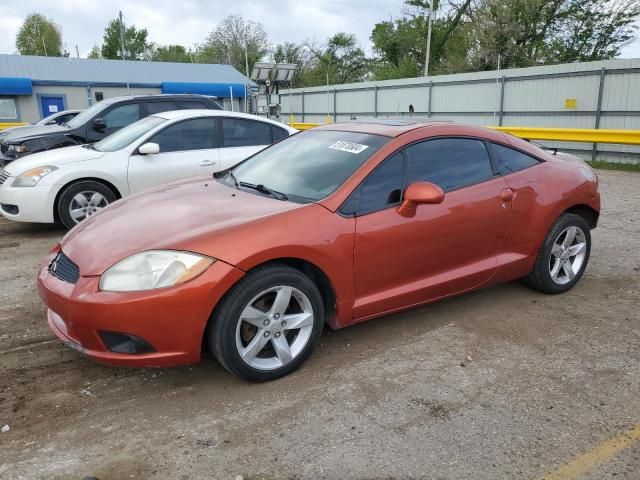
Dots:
(584, 95)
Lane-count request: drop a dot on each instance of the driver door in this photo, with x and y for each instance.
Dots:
(187, 148)
(444, 248)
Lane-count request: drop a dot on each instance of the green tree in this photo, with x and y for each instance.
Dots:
(341, 59)
(523, 33)
(171, 53)
(95, 53)
(400, 45)
(135, 42)
(228, 42)
(39, 35)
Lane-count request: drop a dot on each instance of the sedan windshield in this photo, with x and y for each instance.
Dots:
(125, 136)
(310, 165)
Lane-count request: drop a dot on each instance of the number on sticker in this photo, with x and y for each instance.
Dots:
(349, 147)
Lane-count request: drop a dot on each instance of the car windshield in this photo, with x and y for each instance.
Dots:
(310, 165)
(86, 115)
(125, 136)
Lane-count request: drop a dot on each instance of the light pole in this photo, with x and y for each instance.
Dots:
(426, 61)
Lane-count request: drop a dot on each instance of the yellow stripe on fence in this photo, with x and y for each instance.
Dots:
(11, 124)
(623, 137)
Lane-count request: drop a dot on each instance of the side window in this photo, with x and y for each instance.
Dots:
(239, 132)
(278, 133)
(509, 160)
(196, 134)
(191, 104)
(159, 107)
(122, 116)
(450, 163)
(381, 189)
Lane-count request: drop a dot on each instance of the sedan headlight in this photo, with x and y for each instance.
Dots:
(154, 269)
(30, 178)
(18, 148)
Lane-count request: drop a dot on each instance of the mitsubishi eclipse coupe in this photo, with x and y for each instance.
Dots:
(336, 225)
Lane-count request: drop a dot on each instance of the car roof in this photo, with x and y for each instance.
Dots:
(153, 96)
(193, 113)
(388, 127)
(394, 127)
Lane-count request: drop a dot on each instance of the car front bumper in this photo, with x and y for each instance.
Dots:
(171, 320)
(35, 204)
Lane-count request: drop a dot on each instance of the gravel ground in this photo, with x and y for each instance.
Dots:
(501, 383)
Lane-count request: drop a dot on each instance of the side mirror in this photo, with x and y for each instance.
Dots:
(98, 124)
(149, 149)
(419, 193)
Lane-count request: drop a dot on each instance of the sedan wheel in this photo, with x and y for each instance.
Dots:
(85, 204)
(82, 200)
(267, 324)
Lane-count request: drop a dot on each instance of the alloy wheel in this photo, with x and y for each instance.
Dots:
(274, 327)
(567, 255)
(85, 204)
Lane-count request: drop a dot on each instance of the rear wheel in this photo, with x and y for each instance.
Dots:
(563, 256)
(268, 324)
(81, 200)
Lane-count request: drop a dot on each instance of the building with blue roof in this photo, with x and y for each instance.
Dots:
(34, 87)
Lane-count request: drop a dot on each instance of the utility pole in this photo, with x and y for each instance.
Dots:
(246, 86)
(426, 61)
(121, 34)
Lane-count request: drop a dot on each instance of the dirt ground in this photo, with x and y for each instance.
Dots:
(498, 384)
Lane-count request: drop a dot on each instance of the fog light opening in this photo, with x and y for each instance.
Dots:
(125, 343)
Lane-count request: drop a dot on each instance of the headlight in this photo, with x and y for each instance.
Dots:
(154, 269)
(18, 148)
(30, 178)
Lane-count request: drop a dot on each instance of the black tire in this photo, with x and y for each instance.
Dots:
(66, 198)
(221, 332)
(540, 277)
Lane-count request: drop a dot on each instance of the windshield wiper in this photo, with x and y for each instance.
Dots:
(262, 189)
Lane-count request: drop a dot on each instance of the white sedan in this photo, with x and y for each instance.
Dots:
(73, 183)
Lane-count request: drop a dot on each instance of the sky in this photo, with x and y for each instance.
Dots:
(188, 22)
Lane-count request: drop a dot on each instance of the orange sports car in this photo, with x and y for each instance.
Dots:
(336, 225)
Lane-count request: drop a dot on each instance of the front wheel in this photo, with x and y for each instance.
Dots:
(563, 256)
(268, 324)
(81, 200)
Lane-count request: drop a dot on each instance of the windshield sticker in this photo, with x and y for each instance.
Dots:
(349, 147)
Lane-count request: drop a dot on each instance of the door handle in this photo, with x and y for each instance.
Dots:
(506, 195)
(206, 163)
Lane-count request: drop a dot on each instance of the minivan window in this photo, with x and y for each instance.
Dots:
(127, 135)
(86, 115)
(122, 115)
(450, 163)
(310, 165)
(158, 107)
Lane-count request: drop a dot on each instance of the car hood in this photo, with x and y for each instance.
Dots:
(184, 215)
(33, 131)
(56, 157)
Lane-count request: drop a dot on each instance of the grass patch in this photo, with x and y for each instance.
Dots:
(627, 167)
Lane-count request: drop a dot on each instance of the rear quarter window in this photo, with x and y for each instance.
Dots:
(509, 160)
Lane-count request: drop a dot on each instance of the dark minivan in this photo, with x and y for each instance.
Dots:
(95, 123)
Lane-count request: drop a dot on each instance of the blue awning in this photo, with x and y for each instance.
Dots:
(15, 86)
(213, 89)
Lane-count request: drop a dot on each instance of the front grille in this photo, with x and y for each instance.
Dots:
(63, 268)
(3, 177)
